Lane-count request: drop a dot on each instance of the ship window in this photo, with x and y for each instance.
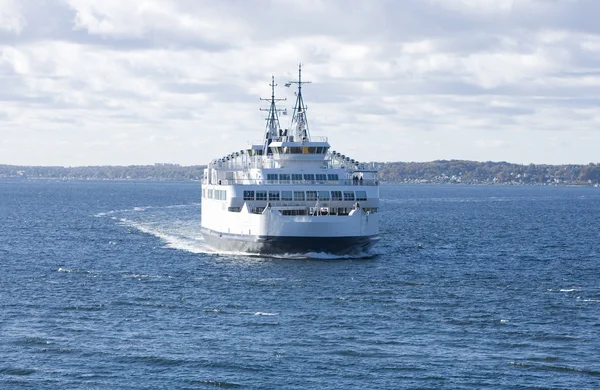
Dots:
(204, 192)
(333, 177)
(248, 195)
(361, 195)
(210, 194)
(261, 195)
(324, 195)
(220, 194)
(311, 195)
(286, 195)
(296, 177)
(296, 150)
(343, 211)
(271, 178)
(284, 177)
(336, 195)
(299, 195)
(319, 150)
(234, 209)
(321, 177)
(312, 150)
(309, 176)
(273, 195)
(293, 212)
(348, 195)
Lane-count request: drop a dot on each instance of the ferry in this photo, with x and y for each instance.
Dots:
(289, 193)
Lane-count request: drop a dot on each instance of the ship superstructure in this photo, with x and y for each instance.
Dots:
(290, 193)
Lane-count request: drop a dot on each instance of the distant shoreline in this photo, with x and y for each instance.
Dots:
(434, 172)
(171, 172)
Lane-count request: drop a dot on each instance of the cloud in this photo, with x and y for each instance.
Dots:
(171, 20)
(11, 18)
(123, 82)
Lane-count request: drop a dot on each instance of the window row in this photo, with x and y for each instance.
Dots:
(298, 177)
(306, 195)
(299, 150)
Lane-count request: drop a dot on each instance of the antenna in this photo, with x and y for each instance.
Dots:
(299, 121)
(272, 130)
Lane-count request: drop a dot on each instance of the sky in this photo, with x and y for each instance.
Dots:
(123, 82)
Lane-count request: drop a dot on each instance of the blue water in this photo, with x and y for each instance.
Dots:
(109, 285)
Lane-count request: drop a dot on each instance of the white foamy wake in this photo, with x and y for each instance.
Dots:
(326, 256)
(188, 242)
(178, 226)
(144, 208)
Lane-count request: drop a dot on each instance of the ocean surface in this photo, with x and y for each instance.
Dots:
(109, 285)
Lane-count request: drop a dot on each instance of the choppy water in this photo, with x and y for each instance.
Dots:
(109, 284)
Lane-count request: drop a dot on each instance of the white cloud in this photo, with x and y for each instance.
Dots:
(491, 70)
(117, 18)
(485, 6)
(11, 19)
(124, 82)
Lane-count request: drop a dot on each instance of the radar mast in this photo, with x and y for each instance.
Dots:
(273, 129)
(299, 122)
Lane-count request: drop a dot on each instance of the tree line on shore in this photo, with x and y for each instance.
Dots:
(440, 171)
(131, 172)
(472, 172)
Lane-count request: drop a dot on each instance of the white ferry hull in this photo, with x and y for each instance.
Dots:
(273, 233)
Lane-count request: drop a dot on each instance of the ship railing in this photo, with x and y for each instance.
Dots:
(277, 204)
(312, 208)
(293, 205)
(259, 162)
(287, 205)
(342, 182)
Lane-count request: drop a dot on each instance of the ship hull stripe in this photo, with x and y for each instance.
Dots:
(288, 244)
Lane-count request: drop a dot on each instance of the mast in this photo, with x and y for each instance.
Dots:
(299, 122)
(273, 129)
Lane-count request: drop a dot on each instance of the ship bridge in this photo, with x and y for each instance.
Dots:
(289, 153)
